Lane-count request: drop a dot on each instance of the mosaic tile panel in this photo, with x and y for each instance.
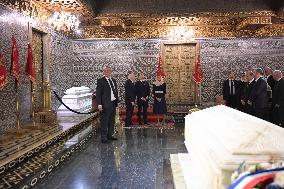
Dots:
(90, 57)
(61, 73)
(12, 25)
(220, 56)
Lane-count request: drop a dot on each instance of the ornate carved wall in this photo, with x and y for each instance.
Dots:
(8, 27)
(80, 62)
(127, 55)
(12, 23)
(220, 56)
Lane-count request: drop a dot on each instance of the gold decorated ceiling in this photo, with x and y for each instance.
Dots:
(112, 22)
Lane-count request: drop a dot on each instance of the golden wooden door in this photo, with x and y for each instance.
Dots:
(179, 62)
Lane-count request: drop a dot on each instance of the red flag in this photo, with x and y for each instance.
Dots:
(15, 60)
(3, 73)
(30, 67)
(160, 70)
(198, 74)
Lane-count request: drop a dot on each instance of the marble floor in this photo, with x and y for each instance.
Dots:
(140, 159)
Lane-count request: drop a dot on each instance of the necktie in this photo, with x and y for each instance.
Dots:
(232, 87)
(111, 85)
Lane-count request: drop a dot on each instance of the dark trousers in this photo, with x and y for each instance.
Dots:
(260, 113)
(232, 101)
(107, 121)
(281, 116)
(129, 112)
(248, 109)
(142, 105)
(275, 116)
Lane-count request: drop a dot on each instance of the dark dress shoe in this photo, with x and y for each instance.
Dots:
(146, 123)
(105, 141)
(112, 138)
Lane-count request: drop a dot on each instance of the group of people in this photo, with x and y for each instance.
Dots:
(136, 92)
(258, 93)
(139, 92)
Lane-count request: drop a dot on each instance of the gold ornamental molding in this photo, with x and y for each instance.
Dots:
(271, 31)
(228, 18)
(42, 10)
(173, 32)
(201, 25)
(113, 24)
(200, 14)
(254, 22)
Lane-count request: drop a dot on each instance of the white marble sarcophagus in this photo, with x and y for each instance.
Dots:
(76, 98)
(219, 139)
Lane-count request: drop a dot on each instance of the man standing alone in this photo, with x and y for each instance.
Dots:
(129, 98)
(107, 100)
(143, 93)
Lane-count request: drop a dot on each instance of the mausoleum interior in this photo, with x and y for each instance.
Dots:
(53, 53)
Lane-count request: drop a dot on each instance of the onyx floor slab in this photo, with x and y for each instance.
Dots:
(140, 159)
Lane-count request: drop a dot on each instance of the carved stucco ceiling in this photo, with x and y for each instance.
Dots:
(180, 6)
(105, 18)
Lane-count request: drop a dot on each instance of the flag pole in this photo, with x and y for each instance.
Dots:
(32, 104)
(32, 86)
(195, 94)
(17, 107)
(200, 98)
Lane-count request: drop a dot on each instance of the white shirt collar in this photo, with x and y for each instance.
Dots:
(251, 81)
(257, 79)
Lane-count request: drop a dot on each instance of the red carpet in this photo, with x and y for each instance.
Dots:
(152, 120)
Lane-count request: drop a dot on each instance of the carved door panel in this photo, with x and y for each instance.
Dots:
(171, 67)
(179, 62)
(37, 47)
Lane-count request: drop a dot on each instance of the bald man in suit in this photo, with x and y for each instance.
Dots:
(107, 101)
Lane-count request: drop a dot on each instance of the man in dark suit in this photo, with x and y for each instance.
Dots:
(271, 82)
(240, 91)
(258, 98)
(107, 101)
(269, 77)
(229, 91)
(130, 97)
(143, 93)
(247, 91)
(278, 98)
